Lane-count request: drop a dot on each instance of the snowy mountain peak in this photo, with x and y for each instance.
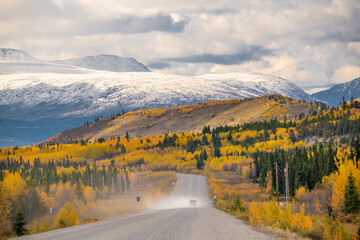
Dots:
(13, 55)
(334, 95)
(57, 95)
(17, 61)
(106, 63)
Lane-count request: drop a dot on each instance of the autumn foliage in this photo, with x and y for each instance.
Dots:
(59, 185)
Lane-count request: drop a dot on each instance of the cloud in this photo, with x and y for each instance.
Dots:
(252, 54)
(308, 42)
(346, 73)
(315, 90)
(159, 65)
(62, 27)
(132, 25)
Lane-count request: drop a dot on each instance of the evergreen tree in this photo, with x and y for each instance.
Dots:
(292, 135)
(203, 155)
(199, 163)
(352, 200)
(238, 205)
(229, 137)
(18, 226)
(123, 149)
(127, 136)
(355, 151)
(343, 103)
(205, 140)
(217, 152)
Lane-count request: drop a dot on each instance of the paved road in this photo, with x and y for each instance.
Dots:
(170, 218)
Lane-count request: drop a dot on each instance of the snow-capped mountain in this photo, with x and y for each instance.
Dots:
(55, 96)
(13, 55)
(334, 95)
(32, 96)
(107, 63)
(16, 61)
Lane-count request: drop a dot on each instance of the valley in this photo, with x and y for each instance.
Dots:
(179, 120)
(238, 161)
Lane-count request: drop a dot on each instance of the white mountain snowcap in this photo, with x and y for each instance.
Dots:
(107, 63)
(12, 60)
(96, 92)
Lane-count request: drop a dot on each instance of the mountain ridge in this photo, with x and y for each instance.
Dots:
(32, 96)
(189, 118)
(334, 94)
(106, 62)
(103, 62)
(14, 55)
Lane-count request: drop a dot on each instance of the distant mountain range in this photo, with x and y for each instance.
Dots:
(81, 89)
(19, 61)
(33, 96)
(334, 95)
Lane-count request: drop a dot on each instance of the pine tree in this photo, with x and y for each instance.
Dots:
(199, 163)
(205, 140)
(343, 103)
(18, 226)
(200, 159)
(352, 200)
(229, 137)
(238, 205)
(292, 135)
(217, 152)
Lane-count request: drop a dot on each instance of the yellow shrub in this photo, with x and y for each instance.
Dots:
(300, 192)
(271, 214)
(66, 217)
(255, 215)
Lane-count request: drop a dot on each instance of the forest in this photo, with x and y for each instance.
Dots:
(316, 154)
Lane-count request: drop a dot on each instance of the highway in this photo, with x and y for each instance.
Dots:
(170, 218)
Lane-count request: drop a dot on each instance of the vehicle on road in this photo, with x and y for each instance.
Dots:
(193, 203)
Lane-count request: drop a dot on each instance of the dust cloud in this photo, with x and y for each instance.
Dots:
(187, 189)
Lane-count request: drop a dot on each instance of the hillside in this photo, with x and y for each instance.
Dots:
(238, 162)
(334, 95)
(13, 55)
(191, 118)
(106, 63)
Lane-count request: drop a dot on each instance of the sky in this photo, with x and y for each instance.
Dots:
(314, 44)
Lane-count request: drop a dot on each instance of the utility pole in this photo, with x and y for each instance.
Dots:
(287, 182)
(104, 187)
(119, 180)
(112, 186)
(125, 184)
(92, 186)
(91, 179)
(277, 183)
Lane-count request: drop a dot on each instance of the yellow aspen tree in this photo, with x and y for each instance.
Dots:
(66, 217)
(338, 179)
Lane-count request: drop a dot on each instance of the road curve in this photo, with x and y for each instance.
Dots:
(171, 218)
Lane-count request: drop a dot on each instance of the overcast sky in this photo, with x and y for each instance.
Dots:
(310, 42)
